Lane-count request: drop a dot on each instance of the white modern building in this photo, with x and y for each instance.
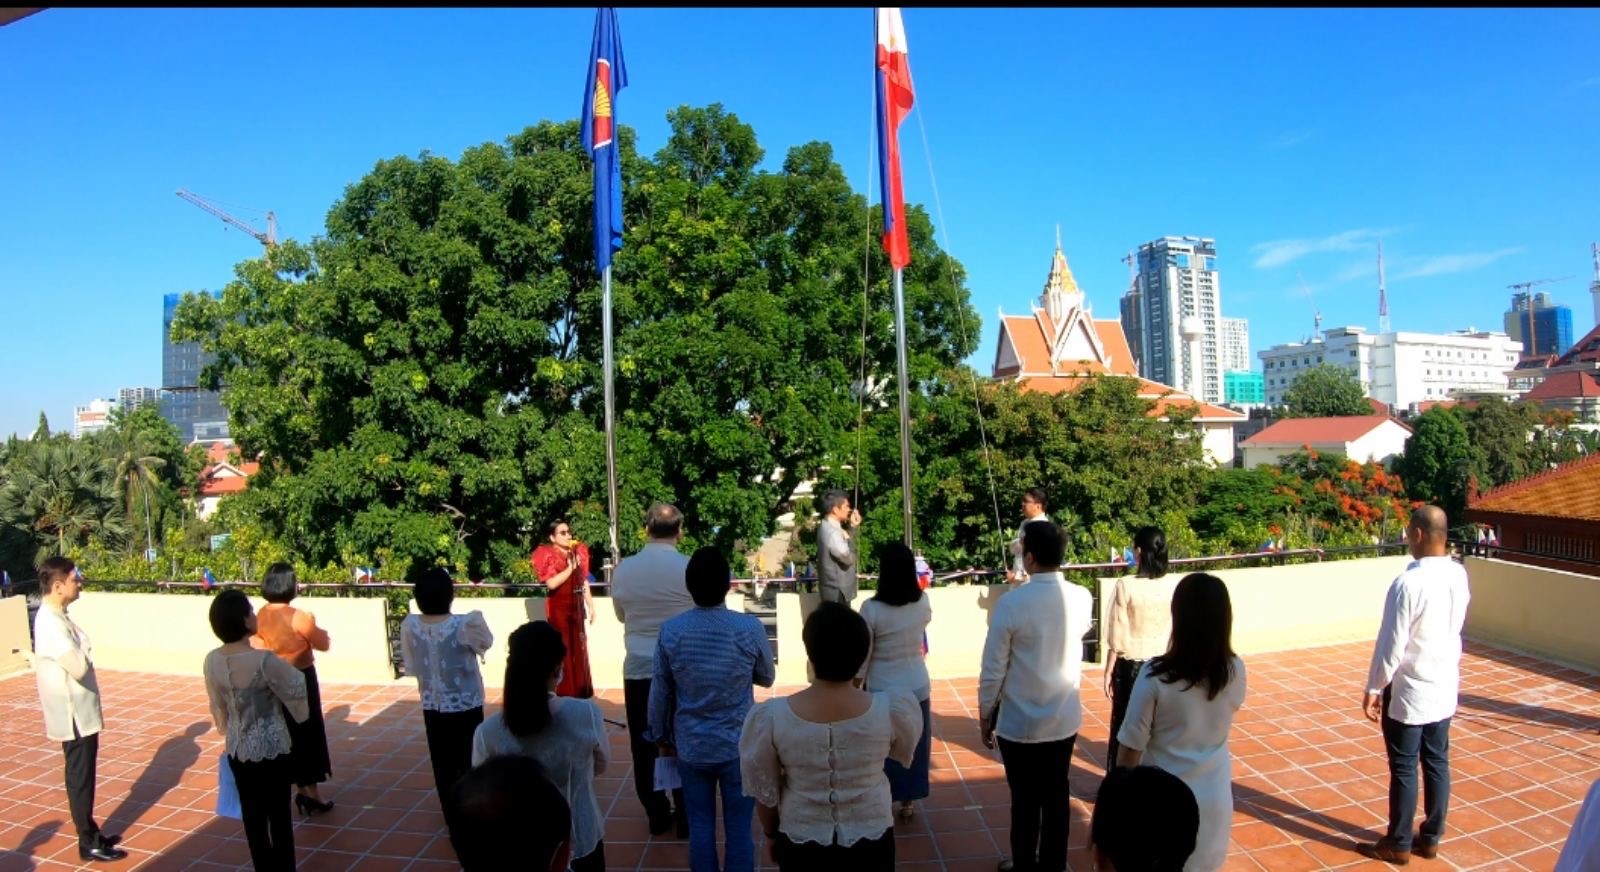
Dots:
(1236, 345)
(93, 418)
(132, 398)
(1400, 369)
(1172, 316)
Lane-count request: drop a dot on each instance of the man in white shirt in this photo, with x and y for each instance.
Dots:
(646, 590)
(1032, 510)
(70, 700)
(1413, 684)
(1032, 663)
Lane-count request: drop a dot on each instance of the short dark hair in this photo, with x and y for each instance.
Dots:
(837, 640)
(1036, 495)
(897, 575)
(550, 528)
(1152, 545)
(279, 585)
(663, 521)
(1144, 819)
(229, 612)
(832, 499)
(707, 577)
(1046, 541)
(493, 799)
(55, 569)
(434, 590)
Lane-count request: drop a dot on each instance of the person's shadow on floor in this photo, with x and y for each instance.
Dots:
(36, 838)
(175, 756)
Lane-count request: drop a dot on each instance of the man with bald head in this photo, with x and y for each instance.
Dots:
(1413, 683)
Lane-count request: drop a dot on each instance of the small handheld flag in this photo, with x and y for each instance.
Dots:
(364, 575)
(5, 583)
(207, 580)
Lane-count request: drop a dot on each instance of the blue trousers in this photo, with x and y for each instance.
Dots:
(1405, 744)
(700, 785)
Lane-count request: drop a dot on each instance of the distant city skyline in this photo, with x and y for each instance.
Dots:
(1307, 139)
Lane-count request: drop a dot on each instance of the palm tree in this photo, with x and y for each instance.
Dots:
(136, 472)
(59, 494)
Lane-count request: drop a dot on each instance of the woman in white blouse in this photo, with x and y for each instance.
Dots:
(897, 618)
(566, 735)
(813, 761)
(1138, 625)
(443, 652)
(1182, 708)
(249, 690)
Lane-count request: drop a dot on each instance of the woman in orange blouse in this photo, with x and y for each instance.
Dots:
(293, 634)
(562, 566)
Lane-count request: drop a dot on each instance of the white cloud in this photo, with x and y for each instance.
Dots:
(1449, 264)
(1589, 82)
(1292, 138)
(1282, 252)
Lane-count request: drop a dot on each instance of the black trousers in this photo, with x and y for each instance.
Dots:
(594, 861)
(1036, 772)
(309, 763)
(1123, 675)
(81, 754)
(636, 697)
(867, 855)
(450, 745)
(264, 795)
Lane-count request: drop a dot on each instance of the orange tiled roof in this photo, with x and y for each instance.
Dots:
(1565, 386)
(1571, 490)
(1319, 431)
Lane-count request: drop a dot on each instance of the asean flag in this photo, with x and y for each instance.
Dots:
(606, 76)
(894, 104)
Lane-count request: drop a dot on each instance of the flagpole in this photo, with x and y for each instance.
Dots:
(611, 424)
(905, 400)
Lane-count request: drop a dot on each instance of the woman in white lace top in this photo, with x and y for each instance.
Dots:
(813, 761)
(249, 691)
(566, 735)
(443, 652)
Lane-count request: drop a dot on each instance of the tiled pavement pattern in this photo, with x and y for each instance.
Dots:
(1309, 776)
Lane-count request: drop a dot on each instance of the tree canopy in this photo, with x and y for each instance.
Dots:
(425, 382)
(1326, 391)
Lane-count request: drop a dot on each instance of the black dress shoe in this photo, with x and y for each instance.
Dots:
(102, 852)
(108, 841)
(682, 820)
(661, 825)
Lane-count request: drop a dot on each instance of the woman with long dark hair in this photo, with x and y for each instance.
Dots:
(566, 736)
(1182, 709)
(897, 617)
(293, 634)
(1138, 625)
(562, 566)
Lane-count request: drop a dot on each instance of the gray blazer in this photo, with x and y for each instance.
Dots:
(836, 563)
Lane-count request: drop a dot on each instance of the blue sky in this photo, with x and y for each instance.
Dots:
(1466, 139)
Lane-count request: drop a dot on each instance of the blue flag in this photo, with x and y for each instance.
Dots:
(605, 77)
(207, 580)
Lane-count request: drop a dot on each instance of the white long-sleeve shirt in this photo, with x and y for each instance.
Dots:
(1418, 652)
(1033, 659)
(646, 590)
(64, 663)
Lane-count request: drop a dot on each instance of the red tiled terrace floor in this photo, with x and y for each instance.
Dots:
(1309, 776)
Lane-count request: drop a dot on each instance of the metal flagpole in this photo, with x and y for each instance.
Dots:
(611, 424)
(905, 399)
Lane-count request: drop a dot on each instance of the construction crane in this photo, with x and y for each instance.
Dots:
(1523, 289)
(269, 239)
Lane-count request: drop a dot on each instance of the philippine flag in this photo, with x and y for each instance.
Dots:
(364, 575)
(894, 104)
(207, 580)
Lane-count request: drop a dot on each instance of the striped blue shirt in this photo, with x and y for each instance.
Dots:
(706, 661)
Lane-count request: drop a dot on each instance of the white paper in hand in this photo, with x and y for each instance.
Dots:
(667, 774)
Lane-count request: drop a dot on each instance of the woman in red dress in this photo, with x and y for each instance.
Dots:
(562, 565)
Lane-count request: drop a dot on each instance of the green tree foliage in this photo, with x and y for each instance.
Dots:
(1502, 447)
(426, 381)
(1326, 391)
(1438, 460)
(56, 495)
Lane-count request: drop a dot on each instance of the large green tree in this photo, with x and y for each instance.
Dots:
(425, 382)
(1326, 391)
(1438, 460)
(56, 495)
